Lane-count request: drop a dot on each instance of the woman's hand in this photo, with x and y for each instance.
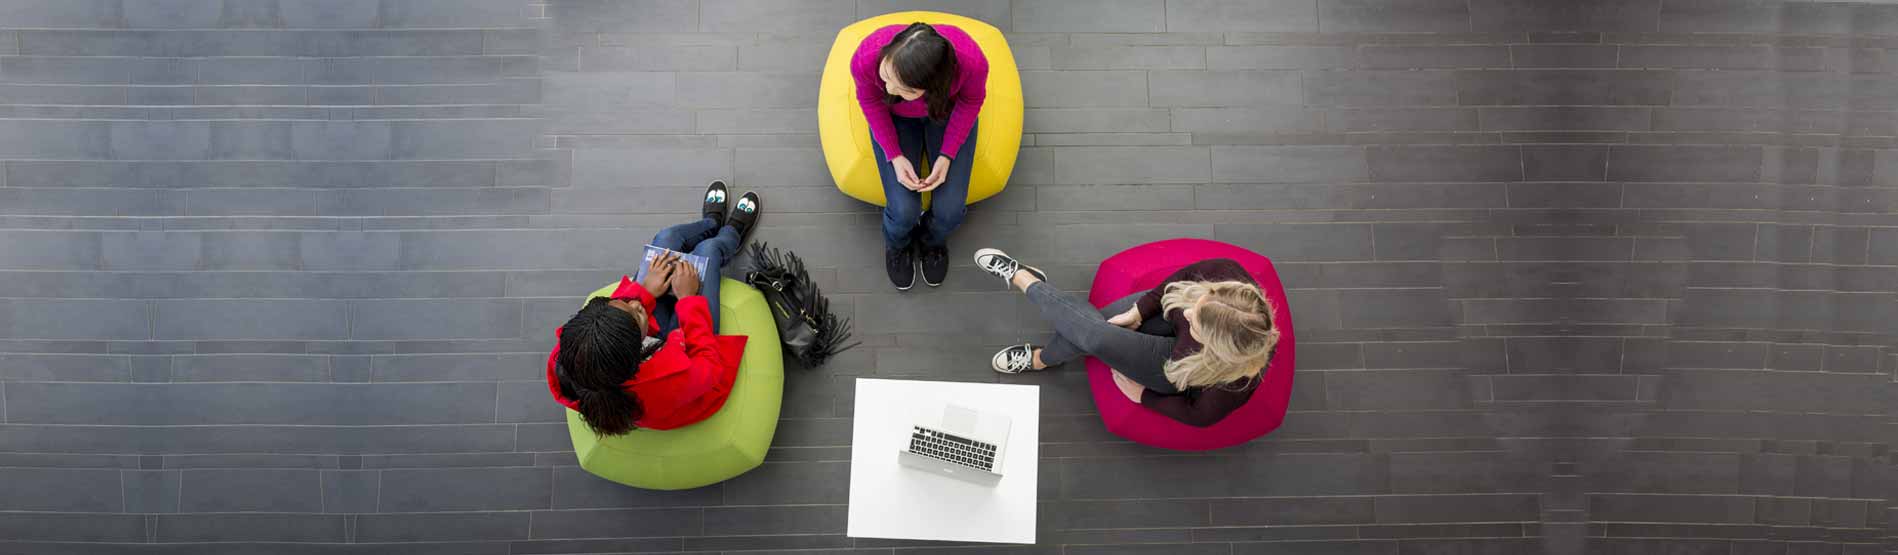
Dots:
(1129, 319)
(938, 173)
(658, 272)
(685, 279)
(1132, 389)
(906, 173)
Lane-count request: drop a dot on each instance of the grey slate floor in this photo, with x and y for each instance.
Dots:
(1594, 276)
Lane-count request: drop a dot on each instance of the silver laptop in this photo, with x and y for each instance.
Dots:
(958, 442)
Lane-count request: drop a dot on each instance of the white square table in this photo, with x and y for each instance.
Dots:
(888, 500)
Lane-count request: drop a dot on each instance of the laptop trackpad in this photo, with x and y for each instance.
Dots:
(959, 420)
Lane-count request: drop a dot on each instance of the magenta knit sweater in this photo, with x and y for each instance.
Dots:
(970, 88)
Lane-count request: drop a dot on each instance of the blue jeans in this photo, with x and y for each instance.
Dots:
(704, 238)
(903, 212)
(1080, 329)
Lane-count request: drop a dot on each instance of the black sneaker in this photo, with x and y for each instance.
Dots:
(714, 206)
(902, 266)
(935, 263)
(1014, 359)
(999, 263)
(745, 214)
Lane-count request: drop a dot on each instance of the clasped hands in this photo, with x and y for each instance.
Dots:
(668, 272)
(906, 174)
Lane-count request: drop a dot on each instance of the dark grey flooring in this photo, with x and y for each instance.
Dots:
(1593, 276)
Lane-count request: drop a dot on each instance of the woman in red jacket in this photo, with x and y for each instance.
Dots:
(642, 359)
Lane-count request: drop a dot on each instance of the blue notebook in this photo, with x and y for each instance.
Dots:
(697, 262)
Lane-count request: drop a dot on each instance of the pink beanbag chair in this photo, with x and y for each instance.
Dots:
(1144, 267)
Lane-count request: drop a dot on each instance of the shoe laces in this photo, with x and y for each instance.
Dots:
(1002, 266)
(1019, 359)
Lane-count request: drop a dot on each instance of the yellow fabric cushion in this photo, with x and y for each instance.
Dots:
(846, 136)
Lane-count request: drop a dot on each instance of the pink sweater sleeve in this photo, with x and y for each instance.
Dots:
(975, 78)
(870, 93)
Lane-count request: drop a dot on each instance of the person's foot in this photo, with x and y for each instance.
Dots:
(714, 206)
(901, 264)
(935, 263)
(1014, 359)
(999, 263)
(744, 216)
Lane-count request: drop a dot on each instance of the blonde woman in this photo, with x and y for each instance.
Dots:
(1192, 348)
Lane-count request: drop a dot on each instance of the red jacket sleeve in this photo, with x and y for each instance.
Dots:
(870, 95)
(629, 290)
(701, 346)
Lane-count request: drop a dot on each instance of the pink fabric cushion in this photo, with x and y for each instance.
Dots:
(1143, 267)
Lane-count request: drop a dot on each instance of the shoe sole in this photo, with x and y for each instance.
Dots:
(979, 253)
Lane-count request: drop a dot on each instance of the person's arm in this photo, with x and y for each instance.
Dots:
(701, 346)
(975, 90)
(1215, 269)
(870, 95)
(1207, 407)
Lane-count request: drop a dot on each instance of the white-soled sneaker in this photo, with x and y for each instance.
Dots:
(999, 263)
(1014, 359)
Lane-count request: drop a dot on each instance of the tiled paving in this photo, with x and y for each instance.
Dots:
(1607, 276)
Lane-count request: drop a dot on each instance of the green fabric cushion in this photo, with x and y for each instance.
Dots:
(732, 441)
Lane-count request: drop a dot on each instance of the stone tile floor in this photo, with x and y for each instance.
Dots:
(278, 276)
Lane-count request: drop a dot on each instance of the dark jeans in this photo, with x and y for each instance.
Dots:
(903, 213)
(704, 238)
(1081, 330)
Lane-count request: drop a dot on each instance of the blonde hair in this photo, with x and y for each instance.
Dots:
(1234, 329)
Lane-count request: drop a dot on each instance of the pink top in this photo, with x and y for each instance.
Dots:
(970, 88)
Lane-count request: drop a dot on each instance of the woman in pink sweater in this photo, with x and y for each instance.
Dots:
(921, 87)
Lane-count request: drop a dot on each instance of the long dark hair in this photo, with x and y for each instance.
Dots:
(599, 350)
(923, 60)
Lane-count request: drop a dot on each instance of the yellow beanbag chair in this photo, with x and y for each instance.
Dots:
(846, 136)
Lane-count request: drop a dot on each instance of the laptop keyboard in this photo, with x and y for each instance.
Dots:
(951, 448)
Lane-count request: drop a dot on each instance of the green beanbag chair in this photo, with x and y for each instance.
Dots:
(731, 442)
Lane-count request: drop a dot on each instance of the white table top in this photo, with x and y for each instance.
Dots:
(891, 501)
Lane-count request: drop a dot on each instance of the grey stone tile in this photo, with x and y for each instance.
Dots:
(1109, 165)
(451, 13)
(679, 58)
(637, 16)
(1128, 57)
(1277, 119)
(1381, 88)
(351, 491)
(615, 523)
(1300, 242)
(1426, 508)
(1237, 15)
(323, 14)
(1397, 389)
(734, 521)
(453, 139)
(1396, 308)
(1286, 475)
(442, 367)
(1394, 16)
(64, 14)
(1672, 508)
(1564, 195)
(1114, 197)
(1520, 15)
(466, 489)
(1526, 87)
(61, 489)
(1288, 164)
(250, 490)
(527, 402)
(173, 14)
(1066, 16)
(1135, 120)
(1684, 163)
(1084, 89)
(1565, 354)
(1563, 388)
(575, 488)
(800, 16)
(1223, 88)
(251, 528)
(367, 71)
(1564, 163)
(1695, 57)
(1281, 57)
(1445, 163)
(442, 527)
(1427, 57)
(248, 319)
(1564, 55)
(71, 140)
(240, 367)
(72, 527)
(1402, 119)
(1317, 547)
(62, 319)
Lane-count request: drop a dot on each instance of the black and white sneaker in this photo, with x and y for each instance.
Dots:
(901, 263)
(745, 215)
(935, 263)
(999, 263)
(1014, 359)
(714, 206)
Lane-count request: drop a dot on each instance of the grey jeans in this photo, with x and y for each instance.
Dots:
(1081, 330)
